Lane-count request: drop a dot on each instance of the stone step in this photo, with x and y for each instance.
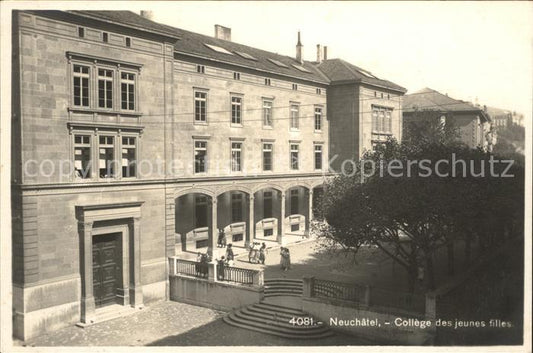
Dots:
(281, 323)
(278, 308)
(277, 329)
(270, 314)
(283, 280)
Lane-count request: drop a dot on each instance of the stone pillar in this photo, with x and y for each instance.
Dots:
(136, 294)
(212, 269)
(282, 219)
(212, 246)
(87, 296)
(308, 284)
(310, 214)
(259, 278)
(431, 306)
(368, 295)
(123, 292)
(251, 223)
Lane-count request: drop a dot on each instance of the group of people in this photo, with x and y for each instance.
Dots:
(257, 255)
(285, 261)
(221, 241)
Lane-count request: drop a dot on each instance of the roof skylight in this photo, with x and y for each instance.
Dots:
(301, 68)
(367, 74)
(218, 49)
(245, 55)
(278, 63)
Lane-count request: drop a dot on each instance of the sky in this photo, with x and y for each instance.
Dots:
(474, 51)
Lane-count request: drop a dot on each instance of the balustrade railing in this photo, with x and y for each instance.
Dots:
(366, 295)
(236, 274)
(215, 272)
(189, 268)
(338, 290)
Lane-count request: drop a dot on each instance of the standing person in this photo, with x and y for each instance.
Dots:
(229, 255)
(220, 268)
(221, 238)
(283, 259)
(262, 253)
(288, 254)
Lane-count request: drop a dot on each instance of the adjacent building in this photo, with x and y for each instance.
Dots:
(134, 141)
(472, 122)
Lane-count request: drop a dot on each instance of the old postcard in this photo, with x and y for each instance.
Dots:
(266, 175)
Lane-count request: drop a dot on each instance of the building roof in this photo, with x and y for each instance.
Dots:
(195, 44)
(429, 99)
(498, 112)
(339, 71)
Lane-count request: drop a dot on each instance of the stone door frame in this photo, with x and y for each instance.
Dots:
(130, 214)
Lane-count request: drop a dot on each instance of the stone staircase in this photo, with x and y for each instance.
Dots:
(283, 287)
(275, 320)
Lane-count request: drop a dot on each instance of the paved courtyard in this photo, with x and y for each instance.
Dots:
(178, 324)
(173, 324)
(369, 267)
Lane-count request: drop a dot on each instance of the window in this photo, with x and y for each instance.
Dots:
(236, 156)
(381, 119)
(318, 91)
(267, 204)
(318, 119)
(381, 94)
(267, 113)
(106, 160)
(294, 87)
(245, 55)
(82, 156)
(200, 211)
(278, 63)
(236, 76)
(127, 87)
(294, 156)
(267, 156)
(200, 69)
(105, 88)
(129, 157)
(318, 157)
(294, 201)
(295, 116)
(81, 32)
(267, 82)
(300, 68)
(200, 156)
(218, 49)
(236, 208)
(236, 110)
(105, 37)
(81, 86)
(128, 41)
(200, 106)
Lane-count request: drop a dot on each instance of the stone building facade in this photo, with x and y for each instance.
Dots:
(135, 141)
(473, 123)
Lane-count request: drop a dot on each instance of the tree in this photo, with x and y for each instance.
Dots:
(409, 217)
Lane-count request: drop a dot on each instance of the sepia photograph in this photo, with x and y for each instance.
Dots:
(266, 176)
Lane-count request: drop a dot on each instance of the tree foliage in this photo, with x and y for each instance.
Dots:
(409, 217)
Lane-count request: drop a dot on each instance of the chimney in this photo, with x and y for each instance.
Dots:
(325, 52)
(222, 32)
(318, 54)
(299, 47)
(147, 14)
